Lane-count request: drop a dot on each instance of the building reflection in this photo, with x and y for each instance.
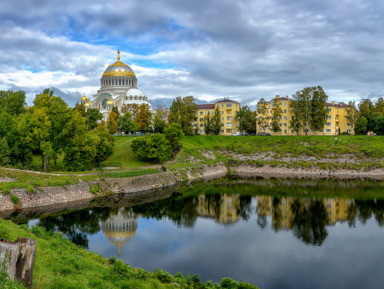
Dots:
(120, 227)
(224, 209)
(282, 210)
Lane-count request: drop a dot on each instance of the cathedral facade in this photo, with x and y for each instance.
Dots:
(118, 87)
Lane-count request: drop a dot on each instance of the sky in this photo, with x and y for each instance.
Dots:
(244, 49)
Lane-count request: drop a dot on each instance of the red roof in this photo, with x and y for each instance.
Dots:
(226, 100)
(205, 106)
(342, 104)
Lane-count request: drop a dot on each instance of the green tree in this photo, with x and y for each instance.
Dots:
(318, 114)
(48, 116)
(160, 118)
(379, 106)
(182, 111)
(81, 109)
(352, 114)
(173, 133)
(81, 144)
(143, 117)
(276, 115)
(216, 122)
(93, 116)
(12, 102)
(154, 148)
(246, 119)
(367, 109)
(126, 124)
(104, 147)
(112, 123)
(361, 125)
(262, 115)
(5, 152)
(301, 108)
(208, 124)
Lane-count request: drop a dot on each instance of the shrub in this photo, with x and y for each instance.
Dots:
(14, 199)
(154, 148)
(6, 191)
(31, 189)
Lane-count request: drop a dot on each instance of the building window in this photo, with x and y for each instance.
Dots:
(280, 118)
(201, 125)
(305, 130)
(229, 130)
(222, 106)
(329, 116)
(229, 118)
(222, 131)
(328, 130)
(313, 131)
(201, 131)
(222, 112)
(280, 124)
(285, 124)
(329, 123)
(292, 131)
(222, 119)
(201, 119)
(329, 109)
(285, 117)
(285, 111)
(285, 104)
(201, 113)
(348, 131)
(321, 130)
(229, 124)
(348, 124)
(229, 104)
(119, 81)
(285, 131)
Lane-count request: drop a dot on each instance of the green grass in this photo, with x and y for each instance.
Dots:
(61, 264)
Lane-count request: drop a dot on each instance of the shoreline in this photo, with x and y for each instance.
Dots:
(142, 189)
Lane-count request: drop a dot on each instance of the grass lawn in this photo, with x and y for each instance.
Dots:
(61, 264)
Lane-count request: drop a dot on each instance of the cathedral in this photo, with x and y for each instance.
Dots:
(118, 87)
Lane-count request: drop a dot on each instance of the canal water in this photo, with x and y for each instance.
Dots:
(273, 233)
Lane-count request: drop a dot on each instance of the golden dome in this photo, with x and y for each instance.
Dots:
(110, 101)
(84, 98)
(87, 103)
(118, 69)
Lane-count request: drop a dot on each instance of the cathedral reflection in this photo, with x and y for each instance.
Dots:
(120, 227)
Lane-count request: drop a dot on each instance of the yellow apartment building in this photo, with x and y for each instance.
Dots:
(228, 109)
(336, 122)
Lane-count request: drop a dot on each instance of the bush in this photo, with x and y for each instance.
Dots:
(173, 133)
(155, 148)
(14, 199)
(31, 189)
(6, 192)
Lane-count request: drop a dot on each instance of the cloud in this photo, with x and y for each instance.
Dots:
(243, 49)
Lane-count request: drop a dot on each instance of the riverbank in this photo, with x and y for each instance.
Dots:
(61, 264)
(146, 188)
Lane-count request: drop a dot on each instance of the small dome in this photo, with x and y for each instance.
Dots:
(134, 92)
(110, 101)
(118, 69)
(87, 104)
(84, 98)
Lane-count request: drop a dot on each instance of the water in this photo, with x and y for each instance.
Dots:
(273, 233)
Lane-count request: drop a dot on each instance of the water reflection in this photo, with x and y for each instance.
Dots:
(120, 227)
(271, 235)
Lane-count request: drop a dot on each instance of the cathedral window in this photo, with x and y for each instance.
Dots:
(119, 81)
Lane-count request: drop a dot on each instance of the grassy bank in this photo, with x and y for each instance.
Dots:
(359, 152)
(61, 264)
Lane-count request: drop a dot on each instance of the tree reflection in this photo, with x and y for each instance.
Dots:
(309, 221)
(76, 226)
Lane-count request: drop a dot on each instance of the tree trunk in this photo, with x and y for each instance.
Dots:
(20, 259)
(45, 163)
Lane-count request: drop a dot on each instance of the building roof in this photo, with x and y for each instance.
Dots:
(226, 100)
(205, 106)
(342, 104)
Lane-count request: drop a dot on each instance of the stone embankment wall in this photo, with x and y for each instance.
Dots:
(47, 196)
